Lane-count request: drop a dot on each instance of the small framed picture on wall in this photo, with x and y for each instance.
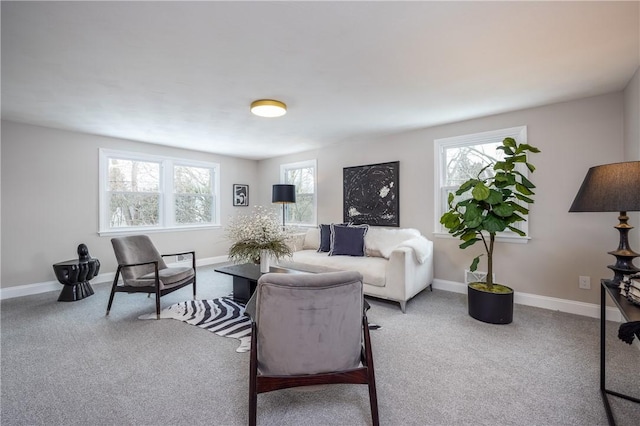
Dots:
(240, 195)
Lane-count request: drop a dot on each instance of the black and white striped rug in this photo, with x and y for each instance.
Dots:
(221, 316)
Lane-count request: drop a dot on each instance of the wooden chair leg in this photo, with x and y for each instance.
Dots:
(373, 401)
(158, 305)
(157, 292)
(371, 378)
(113, 290)
(253, 377)
(193, 265)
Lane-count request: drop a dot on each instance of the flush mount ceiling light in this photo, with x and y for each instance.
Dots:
(268, 108)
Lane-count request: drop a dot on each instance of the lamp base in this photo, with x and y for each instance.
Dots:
(624, 255)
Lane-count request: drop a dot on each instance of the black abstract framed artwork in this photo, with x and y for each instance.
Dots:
(240, 195)
(372, 194)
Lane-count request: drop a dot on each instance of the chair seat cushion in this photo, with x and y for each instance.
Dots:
(169, 277)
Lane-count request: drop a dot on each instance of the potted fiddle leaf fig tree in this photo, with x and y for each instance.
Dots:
(480, 209)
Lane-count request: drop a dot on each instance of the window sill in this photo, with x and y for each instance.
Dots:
(135, 231)
(513, 239)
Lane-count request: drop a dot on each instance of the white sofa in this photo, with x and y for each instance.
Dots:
(397, 266)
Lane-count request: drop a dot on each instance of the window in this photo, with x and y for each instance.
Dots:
(193, 195)
(460, 158)
(303, 176)
(140, 192)
(133, 193)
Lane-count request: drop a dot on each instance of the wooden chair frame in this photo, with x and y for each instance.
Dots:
(259, 383)
(154, 289)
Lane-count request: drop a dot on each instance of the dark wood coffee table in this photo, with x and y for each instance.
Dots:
(246, 275)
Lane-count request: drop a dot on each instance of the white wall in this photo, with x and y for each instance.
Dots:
(573, 136)
(632, 118)
(632, 146)
(50, 201)
(50, 194)
(0, 209)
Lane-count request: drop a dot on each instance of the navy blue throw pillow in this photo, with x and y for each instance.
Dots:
(348, 240)
(325, 236)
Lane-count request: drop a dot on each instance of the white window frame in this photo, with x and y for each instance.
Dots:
(440, 190)
(301, 165)
(166, 218)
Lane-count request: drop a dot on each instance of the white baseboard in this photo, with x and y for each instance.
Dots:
(552, 303)
(563, 305)
(107, 277)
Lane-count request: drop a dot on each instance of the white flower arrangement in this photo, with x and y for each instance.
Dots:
(255, 232)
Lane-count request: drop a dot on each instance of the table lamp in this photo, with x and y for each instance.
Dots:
(609, 188)
(283, 194)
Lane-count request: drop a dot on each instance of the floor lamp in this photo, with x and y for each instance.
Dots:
(613, 188)
(283, 194)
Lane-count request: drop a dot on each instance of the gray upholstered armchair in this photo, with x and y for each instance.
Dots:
(144, 270)
(310, 329)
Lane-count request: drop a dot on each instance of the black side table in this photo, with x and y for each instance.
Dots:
(629, 312)
(75, 275)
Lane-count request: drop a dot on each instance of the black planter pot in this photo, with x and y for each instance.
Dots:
(493, 308)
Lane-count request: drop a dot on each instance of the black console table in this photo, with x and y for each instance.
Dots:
(629, 312)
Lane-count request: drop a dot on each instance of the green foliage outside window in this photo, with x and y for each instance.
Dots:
(135, 192)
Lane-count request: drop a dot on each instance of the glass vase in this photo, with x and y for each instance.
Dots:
(264, 261)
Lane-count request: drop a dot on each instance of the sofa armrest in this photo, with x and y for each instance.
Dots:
(406, 277)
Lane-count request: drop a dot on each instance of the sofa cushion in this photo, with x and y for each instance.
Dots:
(382, 241)
(347, 240)
(373, 269)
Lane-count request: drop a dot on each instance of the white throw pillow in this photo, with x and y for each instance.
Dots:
(312, 239)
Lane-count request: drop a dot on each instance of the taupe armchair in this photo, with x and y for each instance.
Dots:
(310, 329)
(144, 271)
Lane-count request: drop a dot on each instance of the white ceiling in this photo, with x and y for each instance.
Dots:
(184, 73)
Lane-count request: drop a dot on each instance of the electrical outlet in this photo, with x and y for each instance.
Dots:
(584, 283)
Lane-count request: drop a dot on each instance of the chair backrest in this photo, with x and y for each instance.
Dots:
(309, 323)
(136, 249)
